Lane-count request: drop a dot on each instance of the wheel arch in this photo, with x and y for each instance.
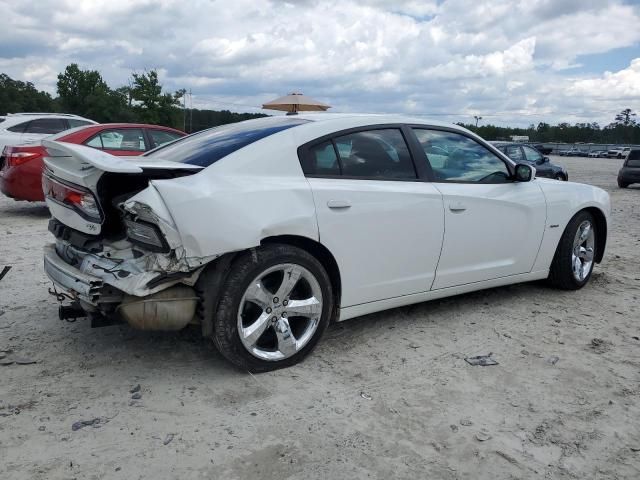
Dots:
(601, 226)
(320, 252)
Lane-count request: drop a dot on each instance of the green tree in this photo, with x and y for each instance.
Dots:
(17, 96)
(153, 106)
(626, 118)
(85, 93)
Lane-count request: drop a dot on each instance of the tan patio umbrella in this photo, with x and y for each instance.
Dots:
(296, 102)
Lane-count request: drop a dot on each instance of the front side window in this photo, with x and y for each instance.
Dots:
(533, 155)
(456, 158)
(46, 126)
(126, 139)
(379, 154)
(514, 153)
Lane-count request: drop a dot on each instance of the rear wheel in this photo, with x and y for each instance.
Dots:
(573, 262)
(621, 184)
(559, 176)
(274, 306)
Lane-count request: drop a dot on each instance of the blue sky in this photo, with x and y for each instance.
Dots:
(511, 61)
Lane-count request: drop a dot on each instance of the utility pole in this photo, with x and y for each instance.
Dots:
(184, 111)
(190, 111)
(477, 119)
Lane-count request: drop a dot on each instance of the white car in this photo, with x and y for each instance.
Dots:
(618, 152)
(25, 128)
(265, 231)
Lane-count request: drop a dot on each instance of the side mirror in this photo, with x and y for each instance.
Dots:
(524, 172)
(545, 159)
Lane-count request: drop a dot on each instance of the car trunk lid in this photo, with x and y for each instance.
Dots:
(77, 176)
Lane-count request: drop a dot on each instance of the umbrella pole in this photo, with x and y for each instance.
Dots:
(294, 110)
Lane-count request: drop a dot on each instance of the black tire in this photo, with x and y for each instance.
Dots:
(561, 272)
(245, 268)
(622, 184)
(560, 177)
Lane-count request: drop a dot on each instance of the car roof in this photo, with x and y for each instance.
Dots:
(11, 119)
(374, 118)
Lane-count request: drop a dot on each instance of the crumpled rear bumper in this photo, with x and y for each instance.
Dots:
(69, 277)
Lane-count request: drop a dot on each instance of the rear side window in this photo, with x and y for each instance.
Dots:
(19, 128)
(207, 147)
(514, 152)
(46, 126)
(160, 137)
(321, 160)
(73, 123)
(634, 155)
(379, 154)
(633, 163)
(125, 139)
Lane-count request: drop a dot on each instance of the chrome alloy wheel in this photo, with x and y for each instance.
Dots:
(279, 312)
(583, 251)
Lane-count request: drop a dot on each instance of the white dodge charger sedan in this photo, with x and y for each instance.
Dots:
(265, 231)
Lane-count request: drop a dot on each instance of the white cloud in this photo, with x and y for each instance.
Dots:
(513, 59)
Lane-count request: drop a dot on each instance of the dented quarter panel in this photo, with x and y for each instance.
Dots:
(257, 192)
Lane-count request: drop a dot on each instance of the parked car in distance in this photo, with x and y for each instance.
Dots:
(265, 231)
(21, 166)
(520, 152)
(618, 152)
(23, 128)
(630, 171)
(597, 154)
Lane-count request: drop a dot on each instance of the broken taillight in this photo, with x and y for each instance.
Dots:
(72, 196)
(15, 156)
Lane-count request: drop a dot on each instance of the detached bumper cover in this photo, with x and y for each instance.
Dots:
(68, 277)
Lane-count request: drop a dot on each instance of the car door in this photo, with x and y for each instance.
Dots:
(119, 141)
(382, 223)
(493, 225)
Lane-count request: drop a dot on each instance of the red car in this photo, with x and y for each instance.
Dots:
(21, 167)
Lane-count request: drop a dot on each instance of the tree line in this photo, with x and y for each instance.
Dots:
(623, 129)
(86, 93)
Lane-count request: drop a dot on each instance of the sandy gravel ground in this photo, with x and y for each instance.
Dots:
(384, 396)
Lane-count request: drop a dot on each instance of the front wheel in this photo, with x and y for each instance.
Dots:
(560, 177)
(274, 306)
(621, 184)
(573, 261)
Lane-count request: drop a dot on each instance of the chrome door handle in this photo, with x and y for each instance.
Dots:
(457, 207)
(338, 204)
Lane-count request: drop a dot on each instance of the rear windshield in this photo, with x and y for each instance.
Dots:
(634, 155)
(207, 147)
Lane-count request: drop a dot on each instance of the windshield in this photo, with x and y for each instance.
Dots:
(207, 147)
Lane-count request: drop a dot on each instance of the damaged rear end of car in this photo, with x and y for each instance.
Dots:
(133, 235)
(117, 253)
